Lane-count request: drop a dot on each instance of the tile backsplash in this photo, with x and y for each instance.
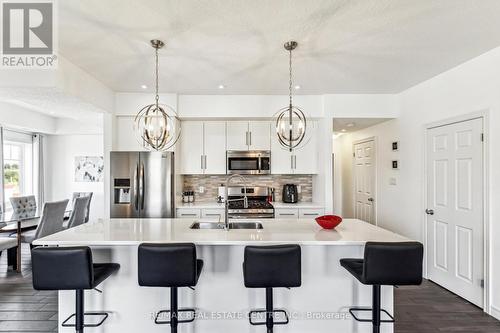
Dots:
(211, 184)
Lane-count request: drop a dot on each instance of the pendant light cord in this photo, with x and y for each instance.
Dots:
(290, 80)
(156, 82)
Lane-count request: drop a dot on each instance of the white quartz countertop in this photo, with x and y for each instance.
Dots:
(116, 232)
(277, 205)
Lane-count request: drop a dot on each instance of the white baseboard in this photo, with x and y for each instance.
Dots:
(495, 311)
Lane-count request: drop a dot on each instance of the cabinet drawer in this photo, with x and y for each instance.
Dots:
(187, 213)
(306, 213)
(213, 213)
(286, 213)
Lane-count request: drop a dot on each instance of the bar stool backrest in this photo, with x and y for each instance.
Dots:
(275, 266)
(393, 263)
(62, 268)
(167, 265)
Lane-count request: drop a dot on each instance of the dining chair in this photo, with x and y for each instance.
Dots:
(84, 194)
(23, 203)
(50, 222)
(79, 212)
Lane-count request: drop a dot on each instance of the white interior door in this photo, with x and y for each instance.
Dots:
(455, 208)
(364, 181)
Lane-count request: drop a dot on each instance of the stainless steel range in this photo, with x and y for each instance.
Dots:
(258, 206)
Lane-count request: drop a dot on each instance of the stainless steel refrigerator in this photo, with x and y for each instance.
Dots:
(142, 184)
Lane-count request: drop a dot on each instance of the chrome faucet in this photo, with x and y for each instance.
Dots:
(244, 199)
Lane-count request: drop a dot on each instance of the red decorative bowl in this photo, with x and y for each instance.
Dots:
(328, 221)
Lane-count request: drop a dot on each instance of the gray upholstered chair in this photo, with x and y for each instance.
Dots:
(79, 212)
(50, 222)
(84, 194)
(23, 203)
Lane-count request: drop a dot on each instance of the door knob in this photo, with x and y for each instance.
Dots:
(429, 211)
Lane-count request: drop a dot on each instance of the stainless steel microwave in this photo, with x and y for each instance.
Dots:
(248, 162)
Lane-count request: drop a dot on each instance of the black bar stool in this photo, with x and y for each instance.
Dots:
(269, 267)
(173, 266)
(70, 268)
(388, 264)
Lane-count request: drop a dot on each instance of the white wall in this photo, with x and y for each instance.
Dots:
(471, 87)
(16, 117)
(60, 151)
(388, 215)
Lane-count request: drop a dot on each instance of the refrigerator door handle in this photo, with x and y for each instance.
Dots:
(141, 185)
(136, 187)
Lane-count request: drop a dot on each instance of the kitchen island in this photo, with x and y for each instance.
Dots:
(319, 305)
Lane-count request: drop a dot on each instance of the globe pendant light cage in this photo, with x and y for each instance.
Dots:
(157, 127)
(290, 122)
(290, 125)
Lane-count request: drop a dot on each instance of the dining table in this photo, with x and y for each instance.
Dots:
(19, 220)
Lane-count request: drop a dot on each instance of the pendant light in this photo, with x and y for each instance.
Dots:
(156, 125)
(290, 121)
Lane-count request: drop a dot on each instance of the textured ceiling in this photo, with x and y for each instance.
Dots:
(345, 46)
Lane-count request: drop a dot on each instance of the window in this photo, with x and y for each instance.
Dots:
(17, 165)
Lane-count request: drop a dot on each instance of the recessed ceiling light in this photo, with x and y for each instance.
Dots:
(297, 87)
(143, 86)
(221, 86)
(343, 130)
(52, 112)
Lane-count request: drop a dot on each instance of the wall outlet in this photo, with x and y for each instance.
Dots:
(201, 189)
(299, 189)
(393, 181)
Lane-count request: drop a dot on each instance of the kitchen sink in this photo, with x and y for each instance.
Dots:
(245, 225)
(207, 225)
(232, 225)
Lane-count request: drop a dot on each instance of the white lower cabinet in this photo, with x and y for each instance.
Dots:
(309, 212)
(286, 213)
(298, 213)
(213, 213)
(187, 213)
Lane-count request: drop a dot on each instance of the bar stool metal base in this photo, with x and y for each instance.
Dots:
(161, 322)
(353, 310)
(284, 322)
(103, 314)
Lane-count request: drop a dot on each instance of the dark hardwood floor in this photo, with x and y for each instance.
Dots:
(23, 309)
(424, 309)
(429, 309)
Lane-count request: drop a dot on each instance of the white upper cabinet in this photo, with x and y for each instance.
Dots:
(300, 161)
(259, 135)
(203, 147)
(237, 135)
(244, 135)
(306, 158)
(215, 147)
(281, 159)
(191, 147)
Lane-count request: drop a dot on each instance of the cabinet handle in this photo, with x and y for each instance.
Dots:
(286, 214)
(246, 138)
(201, 162)
(291, 162)
(212, 214)
(250, 135)
(295, 161)
(205, 162)
(189, 215)
(310, 214)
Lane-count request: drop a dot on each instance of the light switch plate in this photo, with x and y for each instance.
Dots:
(393, 181)
(201, 189)
(299, 189)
